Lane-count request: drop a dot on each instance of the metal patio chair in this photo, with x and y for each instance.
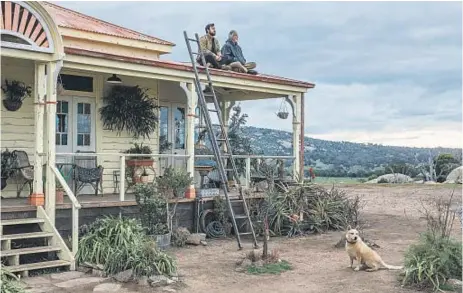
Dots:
(24, 171)
(87, 171)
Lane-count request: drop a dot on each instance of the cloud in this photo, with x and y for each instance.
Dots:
(381, 68)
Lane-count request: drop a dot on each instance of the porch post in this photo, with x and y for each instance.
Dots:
(37, 197)
(297, 114)
(192, 103)
(52, 69)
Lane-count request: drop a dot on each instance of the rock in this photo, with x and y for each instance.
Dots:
(107, 287)
(98, 273)
(66, 276)
(42, 289)
(74, 283)
(159, 280)
(246, 262)
(204, 243)
(124, 276)
(35, 281)
(143, 281)
(196, 238)
(169, 289)
(456, 284)
(84, 269)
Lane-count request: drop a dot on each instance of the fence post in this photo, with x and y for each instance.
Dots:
(122, 179)
(248, 172)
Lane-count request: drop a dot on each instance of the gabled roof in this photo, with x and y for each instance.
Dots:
(67, 18)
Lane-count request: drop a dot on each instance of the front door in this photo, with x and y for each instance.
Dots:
(75, 132)
(173, 132)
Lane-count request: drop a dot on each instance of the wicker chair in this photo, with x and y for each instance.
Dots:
(87, 171)
(24, 171)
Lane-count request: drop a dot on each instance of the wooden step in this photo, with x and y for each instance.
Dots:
(27, 235)
(21, 221)
(30, 250)
(37, 266)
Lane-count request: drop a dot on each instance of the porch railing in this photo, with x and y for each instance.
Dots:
(75, 209)
(117, 163)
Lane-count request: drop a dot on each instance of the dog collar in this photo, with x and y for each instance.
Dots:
(350, 242)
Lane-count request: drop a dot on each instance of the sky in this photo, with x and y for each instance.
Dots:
(385, 72)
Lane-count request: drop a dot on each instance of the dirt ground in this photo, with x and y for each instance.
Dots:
(394, 222)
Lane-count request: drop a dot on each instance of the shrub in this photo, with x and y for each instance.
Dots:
(322, 210)
(153, 209)
(436, 257)
(432, 261)
(382, 181)
(119, 244)
(9, 282)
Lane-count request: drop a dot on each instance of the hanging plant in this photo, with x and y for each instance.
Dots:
(283, 111)
(130, 108)
(15, 92)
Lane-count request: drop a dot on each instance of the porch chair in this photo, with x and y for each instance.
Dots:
(24, 170)
(87, 171)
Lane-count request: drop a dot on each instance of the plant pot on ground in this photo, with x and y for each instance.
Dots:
(15, 92)
(59, 198)
(154, 214)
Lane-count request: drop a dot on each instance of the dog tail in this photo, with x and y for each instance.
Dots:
(390, 267)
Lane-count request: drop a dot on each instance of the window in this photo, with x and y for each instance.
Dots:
(84, 123)
(62, 123)
(77, 83)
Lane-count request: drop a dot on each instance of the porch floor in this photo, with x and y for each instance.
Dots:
(92, 201)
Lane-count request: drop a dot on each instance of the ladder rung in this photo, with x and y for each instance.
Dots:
(212, 110)
(245, 233)
(193, 40)
(221, 139)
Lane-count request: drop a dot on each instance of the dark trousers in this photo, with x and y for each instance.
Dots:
(210, 59)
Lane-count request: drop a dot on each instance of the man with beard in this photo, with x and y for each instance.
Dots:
(210, 47)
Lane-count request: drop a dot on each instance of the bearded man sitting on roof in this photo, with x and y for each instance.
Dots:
(233, 55)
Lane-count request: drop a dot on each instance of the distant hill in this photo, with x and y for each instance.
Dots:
(340, 158)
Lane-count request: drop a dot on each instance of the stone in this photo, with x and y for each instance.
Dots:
(98, 273)
(124, 276)
(84, 269)
(196, 238)
(35, 281)
(159, 280)
(107, 287)
(169, 289)
(456, 284)
(143, 281)
(42, 289)
(204, 243)
(74, 283)
(66, 276)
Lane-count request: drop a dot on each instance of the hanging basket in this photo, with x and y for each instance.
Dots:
(283, 115)
(283, 111)
(12, 105)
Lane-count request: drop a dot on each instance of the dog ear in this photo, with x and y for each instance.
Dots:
(349, 227)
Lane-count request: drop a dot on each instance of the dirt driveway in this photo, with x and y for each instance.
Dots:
(394, 223)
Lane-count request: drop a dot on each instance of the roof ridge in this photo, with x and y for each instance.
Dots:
(103, 21)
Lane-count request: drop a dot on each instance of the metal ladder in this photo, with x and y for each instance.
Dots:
(219, 156)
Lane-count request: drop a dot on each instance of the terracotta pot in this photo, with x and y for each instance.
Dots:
(140, 163)
(144, 179)
(59, 196)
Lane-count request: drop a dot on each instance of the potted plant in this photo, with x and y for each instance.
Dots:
(59, 192)
(144, 176)
(15, 92)
(154, 214)
(7, 170)
(173, 183)
(131, 109)
(139, 161)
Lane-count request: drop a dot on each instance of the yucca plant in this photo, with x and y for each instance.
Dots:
(9, 282)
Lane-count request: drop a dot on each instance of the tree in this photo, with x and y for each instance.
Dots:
(444, 164)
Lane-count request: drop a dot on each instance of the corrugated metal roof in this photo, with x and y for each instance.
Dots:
(67, 18)
(188, 67)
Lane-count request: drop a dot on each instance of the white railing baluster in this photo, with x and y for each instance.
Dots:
(122, 179)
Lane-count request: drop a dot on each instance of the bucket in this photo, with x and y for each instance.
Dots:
(162, 241)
